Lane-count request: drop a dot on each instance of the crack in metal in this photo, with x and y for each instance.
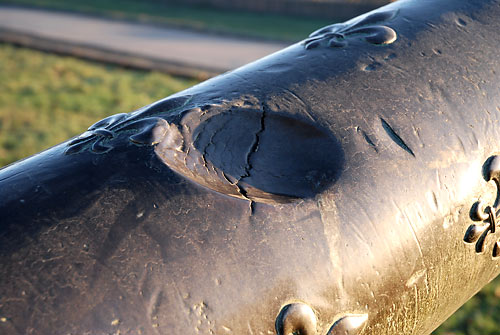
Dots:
(252, 150)
(255, 145)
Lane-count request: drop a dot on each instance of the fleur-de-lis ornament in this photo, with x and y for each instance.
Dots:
(140, 125)
(370, 29)
(486, 217)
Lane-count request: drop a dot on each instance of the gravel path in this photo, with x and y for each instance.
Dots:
(134, 44)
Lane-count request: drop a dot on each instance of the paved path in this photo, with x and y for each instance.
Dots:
(133, 44)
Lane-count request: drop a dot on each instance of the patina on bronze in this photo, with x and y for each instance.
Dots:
(345, 185)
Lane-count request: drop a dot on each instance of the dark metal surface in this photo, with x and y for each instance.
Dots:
(329, 188)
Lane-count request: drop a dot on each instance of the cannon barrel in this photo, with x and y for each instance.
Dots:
(347, 184)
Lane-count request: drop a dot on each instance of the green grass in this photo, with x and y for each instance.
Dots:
(45, 99)
(479, 316)
(262, 25)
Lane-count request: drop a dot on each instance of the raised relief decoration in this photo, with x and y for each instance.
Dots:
(486, 217)
(370, 29)
(349, 325)
(296, 318)
(142, 126)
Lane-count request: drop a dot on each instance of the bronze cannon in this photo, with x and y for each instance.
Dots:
(348, 184)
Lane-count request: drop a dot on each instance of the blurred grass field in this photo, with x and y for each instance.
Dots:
(45, 99)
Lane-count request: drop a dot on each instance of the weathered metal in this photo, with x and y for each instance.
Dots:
(335, 187)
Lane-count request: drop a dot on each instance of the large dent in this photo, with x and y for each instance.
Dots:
(246, 150)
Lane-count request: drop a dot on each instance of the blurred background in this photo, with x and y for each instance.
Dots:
(64, 65)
